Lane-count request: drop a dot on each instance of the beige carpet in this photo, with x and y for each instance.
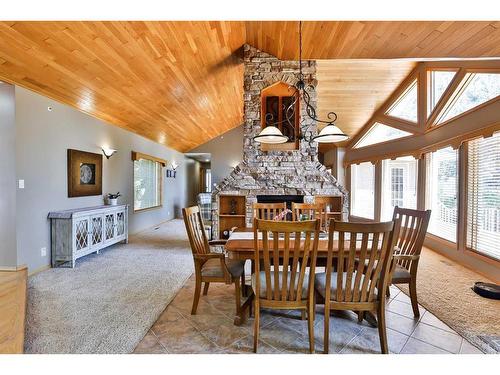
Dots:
(444, 288)
(108, 302)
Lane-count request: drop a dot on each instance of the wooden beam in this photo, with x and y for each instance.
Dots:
(398, 123)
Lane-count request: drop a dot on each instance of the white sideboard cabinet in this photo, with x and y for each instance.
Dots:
(78, 232)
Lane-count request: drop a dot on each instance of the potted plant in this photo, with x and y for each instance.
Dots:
(113, 198)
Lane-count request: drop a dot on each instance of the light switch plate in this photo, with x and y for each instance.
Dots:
(43, 251)
(21, 184)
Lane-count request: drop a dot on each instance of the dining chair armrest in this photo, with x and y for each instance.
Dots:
(209, 256)
(406, 257)
(217, 242)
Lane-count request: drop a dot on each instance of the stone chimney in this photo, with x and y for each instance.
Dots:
(296, 172)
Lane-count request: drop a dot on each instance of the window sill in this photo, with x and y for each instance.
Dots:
(147, 209)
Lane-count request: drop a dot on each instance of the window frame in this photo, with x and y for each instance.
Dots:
(462, 86)
(161, 163)
(465, 209)
(376, 190)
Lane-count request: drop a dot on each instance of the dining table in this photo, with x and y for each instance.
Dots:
(240, 246)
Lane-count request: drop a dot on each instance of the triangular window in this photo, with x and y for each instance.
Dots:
(380, 133)
(478, 89)
(406, 106)
(439, 82)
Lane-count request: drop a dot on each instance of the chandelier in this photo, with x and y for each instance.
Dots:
(330, 133)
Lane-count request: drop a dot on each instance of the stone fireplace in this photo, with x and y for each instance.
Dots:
(263, 173)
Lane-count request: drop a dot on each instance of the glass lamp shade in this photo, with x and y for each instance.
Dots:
(330, 134)
(271, 135)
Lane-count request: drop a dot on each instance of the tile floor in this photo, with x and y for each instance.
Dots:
(211, 330)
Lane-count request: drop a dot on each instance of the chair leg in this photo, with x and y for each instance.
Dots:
(310, 325)
(205, 289)
(237, 292)
(243, 287)
(382, 331)
(196, 298)
(256, 325)
(388, 291)
(413, 296)
(303, 314)
(361, 316)
(326, 334)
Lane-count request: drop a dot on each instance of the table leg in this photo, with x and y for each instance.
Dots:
(240, 318)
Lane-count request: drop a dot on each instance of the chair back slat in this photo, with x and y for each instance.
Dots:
(411, 237)
(364, 256)
(285, 257)
(195, 229)
(267, 211)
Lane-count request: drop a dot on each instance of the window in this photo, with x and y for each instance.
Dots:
(478, 89)
(276, 104)
(442, 179)
(399, 185)
(406, 106)
(208, 180)
(483, 196)
(147, 183)
(380, 133)
(439, 82)
(363, 190)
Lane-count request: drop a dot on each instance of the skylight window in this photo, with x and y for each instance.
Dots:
(406, 106)
(479, 88)
(439, 82)
(380, 133)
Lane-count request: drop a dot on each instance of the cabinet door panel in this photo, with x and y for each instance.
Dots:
(97, 230)
(120, 223)
(109, 226)
(82, 234)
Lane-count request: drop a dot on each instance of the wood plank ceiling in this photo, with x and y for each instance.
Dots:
(181, 83)
(355, 89)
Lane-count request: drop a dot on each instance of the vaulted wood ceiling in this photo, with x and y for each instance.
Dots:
(181, 83)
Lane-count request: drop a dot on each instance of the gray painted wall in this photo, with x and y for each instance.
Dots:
(42, 141)
(192, 181)
(227, 152)
(8, 253)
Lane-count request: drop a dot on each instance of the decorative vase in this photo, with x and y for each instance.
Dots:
(113, 201)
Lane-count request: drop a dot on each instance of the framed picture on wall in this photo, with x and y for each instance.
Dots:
(84, 173)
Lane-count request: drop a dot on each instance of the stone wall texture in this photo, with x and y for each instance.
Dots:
(295, 172)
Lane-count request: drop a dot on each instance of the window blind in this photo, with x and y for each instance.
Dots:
(147, 184)
(483, 196)
(442, 179)
(363, 190)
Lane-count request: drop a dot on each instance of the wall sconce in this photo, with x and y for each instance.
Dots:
(108, 152)
(171, 172)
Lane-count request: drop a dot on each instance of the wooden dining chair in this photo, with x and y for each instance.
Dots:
(414, 225)
(267, 211)
(363, 271)
(281, 281)
(311, 210)
(210, 267)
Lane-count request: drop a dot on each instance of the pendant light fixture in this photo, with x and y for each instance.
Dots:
(330, 132)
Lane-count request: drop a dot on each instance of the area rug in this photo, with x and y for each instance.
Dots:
(444, 288)
(107, 303)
